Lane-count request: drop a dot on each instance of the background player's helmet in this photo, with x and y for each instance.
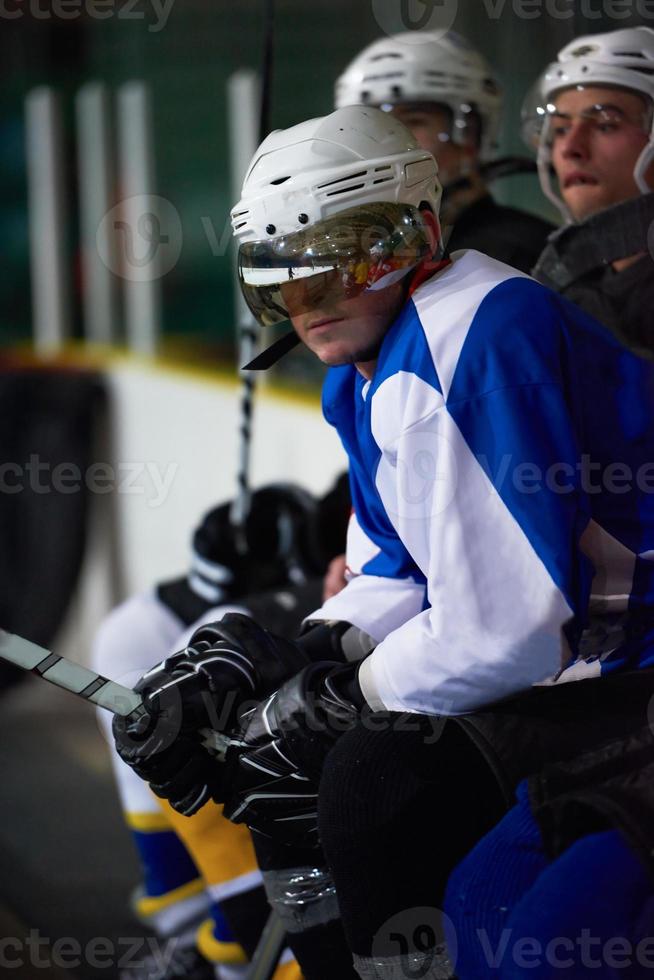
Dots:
(619, 59)
(280, 543)
(289, 537)
(427, 66)
(334, 201)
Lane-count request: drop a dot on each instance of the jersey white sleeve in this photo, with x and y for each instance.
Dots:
(376, 604)
(494, 624)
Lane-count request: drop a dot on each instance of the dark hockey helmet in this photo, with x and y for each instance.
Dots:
(289, 536)
(280, 544)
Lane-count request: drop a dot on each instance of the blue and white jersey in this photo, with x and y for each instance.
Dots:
(502, 470)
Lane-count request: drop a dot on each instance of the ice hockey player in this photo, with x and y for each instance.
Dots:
(461, 129)
(447, 94)
(593, 122)
(498, 440)
(576, 846)
(201, 888)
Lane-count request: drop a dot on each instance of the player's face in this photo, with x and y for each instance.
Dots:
(344, 331)
(597, 136)
(431, 127)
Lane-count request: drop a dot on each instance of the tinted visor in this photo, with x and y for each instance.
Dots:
(362, 248)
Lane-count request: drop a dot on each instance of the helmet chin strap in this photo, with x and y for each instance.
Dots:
(274, 353)
(643, 162)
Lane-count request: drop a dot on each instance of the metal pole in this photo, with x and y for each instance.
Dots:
(244, 99)
(141, 285)
(96, 184)
(243, 110)
(48, 246)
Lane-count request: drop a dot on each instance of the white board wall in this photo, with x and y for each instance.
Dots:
(172, 449)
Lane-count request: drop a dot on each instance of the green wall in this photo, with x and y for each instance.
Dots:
(187, 62)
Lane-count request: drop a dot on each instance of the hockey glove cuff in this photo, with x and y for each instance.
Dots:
(276, 769)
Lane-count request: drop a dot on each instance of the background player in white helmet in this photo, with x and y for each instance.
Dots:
(447, 94)
(592, 118)
(470, 584)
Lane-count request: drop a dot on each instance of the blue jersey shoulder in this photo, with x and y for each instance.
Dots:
(522, 333)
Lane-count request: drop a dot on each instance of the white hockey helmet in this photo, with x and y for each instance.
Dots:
(427, 66)
(618, 59)
(335, 200)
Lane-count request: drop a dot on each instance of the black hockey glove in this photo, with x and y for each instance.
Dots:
(205, 686)
(275, 770)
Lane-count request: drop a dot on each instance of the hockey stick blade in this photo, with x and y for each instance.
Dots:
(68, 675)
(85, 683)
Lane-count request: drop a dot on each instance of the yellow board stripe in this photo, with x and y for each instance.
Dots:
(102, 357)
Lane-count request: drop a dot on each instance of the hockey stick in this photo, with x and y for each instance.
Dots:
(86, 684)
(269, 949)
(121, 700)
(247, 328)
